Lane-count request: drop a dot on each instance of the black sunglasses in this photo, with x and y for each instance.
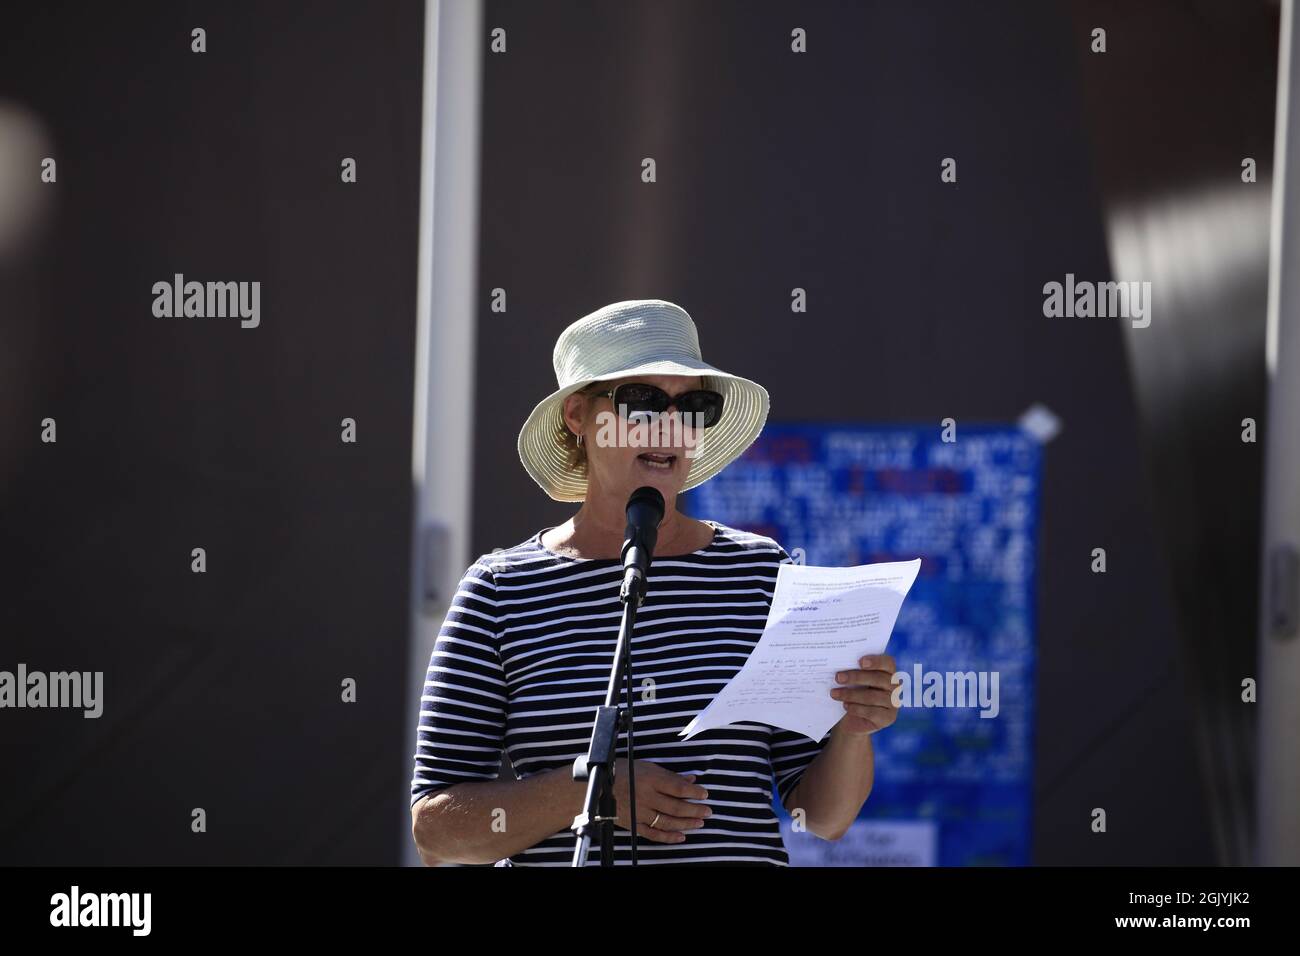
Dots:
(637, 398)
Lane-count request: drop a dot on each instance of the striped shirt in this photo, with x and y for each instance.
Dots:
(523, 658)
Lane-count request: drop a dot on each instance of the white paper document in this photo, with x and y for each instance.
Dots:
(822, 620)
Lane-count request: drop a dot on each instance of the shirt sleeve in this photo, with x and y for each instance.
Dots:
(463, 705)
(791, 752)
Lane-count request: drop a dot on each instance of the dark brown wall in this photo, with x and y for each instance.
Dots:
(222, 689)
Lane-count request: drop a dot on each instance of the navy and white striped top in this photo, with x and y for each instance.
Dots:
(523, 658)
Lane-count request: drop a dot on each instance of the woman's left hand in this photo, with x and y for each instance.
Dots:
(867, 694)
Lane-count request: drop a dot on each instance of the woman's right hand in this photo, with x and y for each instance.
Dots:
(663, 793)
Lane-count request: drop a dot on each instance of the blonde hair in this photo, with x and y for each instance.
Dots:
(575, 454)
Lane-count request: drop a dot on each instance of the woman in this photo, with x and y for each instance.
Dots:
(524, 655)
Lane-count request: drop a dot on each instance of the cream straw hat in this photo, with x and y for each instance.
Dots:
(636, 337)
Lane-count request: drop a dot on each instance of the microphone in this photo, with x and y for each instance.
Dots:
(645, 509)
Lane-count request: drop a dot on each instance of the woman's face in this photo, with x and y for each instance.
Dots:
(625, 455)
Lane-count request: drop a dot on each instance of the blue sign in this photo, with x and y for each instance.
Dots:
(954, 774)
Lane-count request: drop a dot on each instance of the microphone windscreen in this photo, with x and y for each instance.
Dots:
(648, 503)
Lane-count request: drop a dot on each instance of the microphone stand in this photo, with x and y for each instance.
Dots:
(599, 806)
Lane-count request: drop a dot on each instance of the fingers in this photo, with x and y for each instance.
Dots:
(676, 785)
(666, 804)
(879, 716)
(870, 696)
(670, 796)
(666, 821)
(659, 836)
(668, 824)
(678, 809)
(865, 678)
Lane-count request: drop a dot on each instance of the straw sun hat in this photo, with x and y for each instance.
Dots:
(636, 337)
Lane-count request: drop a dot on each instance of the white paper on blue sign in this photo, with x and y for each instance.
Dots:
(822, 620)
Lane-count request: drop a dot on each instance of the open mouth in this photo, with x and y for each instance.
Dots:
(657, 461)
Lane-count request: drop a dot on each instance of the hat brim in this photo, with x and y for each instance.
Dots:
(745, 408)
